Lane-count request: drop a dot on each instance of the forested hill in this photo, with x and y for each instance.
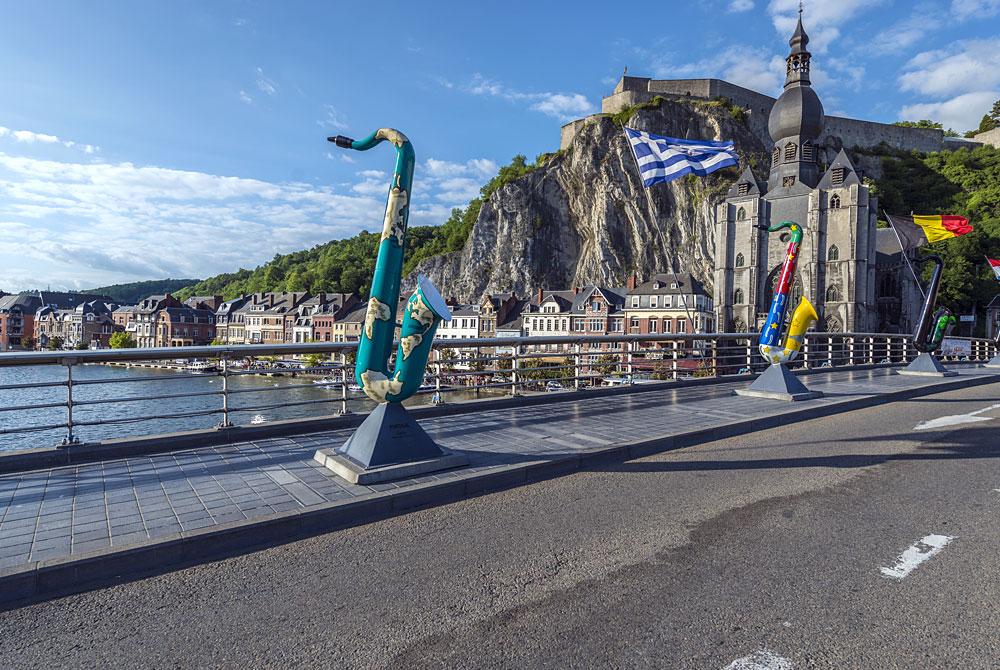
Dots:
(343, 266)
(965, 182)
(130, 294)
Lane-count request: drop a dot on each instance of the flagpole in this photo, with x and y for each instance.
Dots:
(906, 258)
(663, 242)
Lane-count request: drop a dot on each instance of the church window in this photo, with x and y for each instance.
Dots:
(790, 149)
(838, 175)
(833, 254)
(833, 294)
(738, 296)
(808, 151)
(740, 261)
(776, 155)
(835, 202)
(741, 214)
(743, 188)
(788, 181)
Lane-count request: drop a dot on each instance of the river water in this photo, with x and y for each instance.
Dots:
(139, 384)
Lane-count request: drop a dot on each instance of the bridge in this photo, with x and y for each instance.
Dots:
(644, 482)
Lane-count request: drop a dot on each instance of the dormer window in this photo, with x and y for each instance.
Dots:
(838, 175)
(656, 285)
(790, 150)
(743, 188)
(673, 284)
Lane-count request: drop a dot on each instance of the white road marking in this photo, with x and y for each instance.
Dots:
(915, 554)
(761, 660)
(956, 419)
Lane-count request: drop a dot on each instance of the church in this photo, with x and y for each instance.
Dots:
(853, 286)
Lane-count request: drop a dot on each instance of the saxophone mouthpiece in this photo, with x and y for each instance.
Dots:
(341, 141)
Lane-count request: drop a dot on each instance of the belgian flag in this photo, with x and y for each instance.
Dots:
(916, 231)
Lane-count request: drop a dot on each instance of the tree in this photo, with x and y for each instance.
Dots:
(81, 346)
(314, 360)
(121, 340)
(607, 364)
(55, 343)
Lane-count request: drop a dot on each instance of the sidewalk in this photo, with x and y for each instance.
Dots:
(63, 529)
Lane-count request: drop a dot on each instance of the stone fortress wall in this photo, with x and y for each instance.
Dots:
(851, 132)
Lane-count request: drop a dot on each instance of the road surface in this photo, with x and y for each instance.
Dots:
(868, 539)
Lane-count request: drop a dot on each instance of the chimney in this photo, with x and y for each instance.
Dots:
(633, 281)
(541, 295)
(576, 290)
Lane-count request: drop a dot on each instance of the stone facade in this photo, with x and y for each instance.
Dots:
(991, 137)
(839, 267)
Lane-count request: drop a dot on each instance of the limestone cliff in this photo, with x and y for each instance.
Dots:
(584, 216)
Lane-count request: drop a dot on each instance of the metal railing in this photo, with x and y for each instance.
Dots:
(321, 375)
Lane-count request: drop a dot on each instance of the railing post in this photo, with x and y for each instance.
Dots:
(514, 364)
(871, 351)
(225, 392)
(343, 385)
(436, 398)
(629, 347)
(715, 355)
(673, 363)
(70, 437)
(850, 351)
(805, 352)
(749, 365)
(576, 366)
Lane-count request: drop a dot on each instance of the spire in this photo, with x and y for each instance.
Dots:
(797, 63)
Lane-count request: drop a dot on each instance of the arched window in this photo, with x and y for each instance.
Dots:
(740, 261)
(835, 202)
(833, 294)
(833, 325)
(790, 149)
(738, 296)
(833, 254)
(741, 214)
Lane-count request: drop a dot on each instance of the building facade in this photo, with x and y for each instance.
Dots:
(838, 261)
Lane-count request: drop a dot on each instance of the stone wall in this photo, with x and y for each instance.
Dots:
(991, 137)
(851, 132)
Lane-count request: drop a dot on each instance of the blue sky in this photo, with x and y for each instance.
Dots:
(141, 140)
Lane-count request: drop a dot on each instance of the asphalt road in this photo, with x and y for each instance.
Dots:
(764, 551)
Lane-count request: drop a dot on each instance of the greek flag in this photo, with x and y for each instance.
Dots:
(663, 159)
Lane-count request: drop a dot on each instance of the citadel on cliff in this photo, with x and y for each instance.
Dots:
(852, 272)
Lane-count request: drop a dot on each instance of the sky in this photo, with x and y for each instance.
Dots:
(145, 140)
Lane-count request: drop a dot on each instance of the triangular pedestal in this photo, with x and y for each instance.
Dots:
(926, 365)
(994, 362)
(778, 383)
(388, 445)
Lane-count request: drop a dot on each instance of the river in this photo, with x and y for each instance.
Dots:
(141, 383)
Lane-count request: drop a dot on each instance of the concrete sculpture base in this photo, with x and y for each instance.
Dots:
(778, 383)
(388, 445)
(926, 365)
(994, 362)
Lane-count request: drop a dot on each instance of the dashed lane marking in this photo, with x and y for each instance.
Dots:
(918, 552)
(760, 660)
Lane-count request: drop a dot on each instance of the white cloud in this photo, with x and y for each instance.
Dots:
(74, 223)
(31, 137)
(972, 65)
(265, 84)
(736, 6)
(822, 20)
(245, 98)
(959, 113)
(978, 9)
(755, 69)
(458, 189)
(333, 118)
(562, 106)
(482, 167)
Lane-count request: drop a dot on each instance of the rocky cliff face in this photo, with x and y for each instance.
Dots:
(584, 217)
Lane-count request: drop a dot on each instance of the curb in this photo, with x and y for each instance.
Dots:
(42, 580)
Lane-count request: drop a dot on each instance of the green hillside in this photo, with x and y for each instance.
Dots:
(343, 266)
(130, 294)
(965, 182)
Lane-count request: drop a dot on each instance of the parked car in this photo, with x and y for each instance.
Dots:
(553, 386)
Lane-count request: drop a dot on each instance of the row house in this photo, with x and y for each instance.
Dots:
(348, 327)
(317, 317)
(147, 314)
(230, 326)
(89, 324)
(17, 313)
(264, 320)
(669, 304)
(184, 326)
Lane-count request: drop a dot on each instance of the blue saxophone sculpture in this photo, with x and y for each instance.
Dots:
(424, 310)
(804, 315)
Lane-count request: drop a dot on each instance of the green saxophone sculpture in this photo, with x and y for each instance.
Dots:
(389, 436)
